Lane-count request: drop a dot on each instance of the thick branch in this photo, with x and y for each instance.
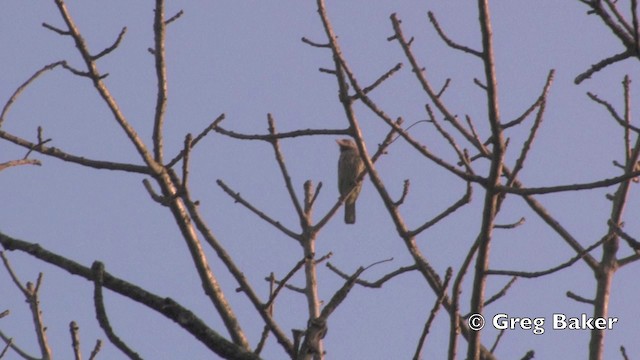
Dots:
(165, 306)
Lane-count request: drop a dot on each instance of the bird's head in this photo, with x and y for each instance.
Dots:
(346, 144)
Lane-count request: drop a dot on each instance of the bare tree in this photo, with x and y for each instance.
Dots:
(485, 154)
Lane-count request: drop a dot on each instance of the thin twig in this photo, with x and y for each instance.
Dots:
(380, 80)
(633, 243)
(497, 341)
(465, 199)
(239, 199)
(12, 163)
(96, 349)
(174, 17)
(529, 355)
(450, 42)
(510, 226)
(432, 314)
(450, 140)
(115, 44)
(405, 192)
(535, 274)
(23, 86)
(197, 139)
(623, 351)
(614, 114)
(283, 282)
(579, 298)
(81, 160)
(75, 340)
(374, 284)
(502, 292)
(314, 44)
(56, 30)
(570, 187)
(188, 144)
(238, 275)
(6, 348)
(101, 314)
(601, 65)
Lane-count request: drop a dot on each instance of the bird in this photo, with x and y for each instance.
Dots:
(350, 165)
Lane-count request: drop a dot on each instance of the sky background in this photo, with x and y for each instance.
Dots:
(245, 59)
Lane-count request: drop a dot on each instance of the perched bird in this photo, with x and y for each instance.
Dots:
(349, 167)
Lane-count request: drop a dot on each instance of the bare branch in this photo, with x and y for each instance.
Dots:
(444, 87)
(374, 284)
(197, 139)
(11, 344)
(452, 142)
(572, 187)
(238, 275)
(579, 298)
(405, 192)
(80, 160)
(113, 46)
(450, 42)
(283, 169)
(157, 198)
(56, 30)
(534, 130)
(495, 343)
(629, 259)
(96, 77)
(512, 225)
(426, 86)
(82, 73)
(314, 44)
(165, 306)
(340, 295)
(188, 144)
(280, 135)
(159, 32)
(12, 163)
(283, 282)
(239, 199)
(6, 348)
(96, 349)
(101, 314)
(23, 86)
(32, 297)
(502, 292)
(633, 243)
(601, 65)
(480, 84)
(432, 314)
(619, 17)
(75, 340)
(530, 275)
(529, 355)
(465, 199)
(623, 351)
(380, 80)
(174, 17)
(613, 112)
(541, 99)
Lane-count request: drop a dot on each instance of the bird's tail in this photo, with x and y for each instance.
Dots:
(350, 213)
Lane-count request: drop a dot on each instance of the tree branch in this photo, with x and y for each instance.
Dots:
(164, 306)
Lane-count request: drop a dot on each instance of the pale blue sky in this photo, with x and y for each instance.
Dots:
(245, 59)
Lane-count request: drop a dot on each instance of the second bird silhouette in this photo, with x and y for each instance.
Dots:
(349, 167)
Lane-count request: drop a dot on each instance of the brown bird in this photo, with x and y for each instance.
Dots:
(349, 167)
